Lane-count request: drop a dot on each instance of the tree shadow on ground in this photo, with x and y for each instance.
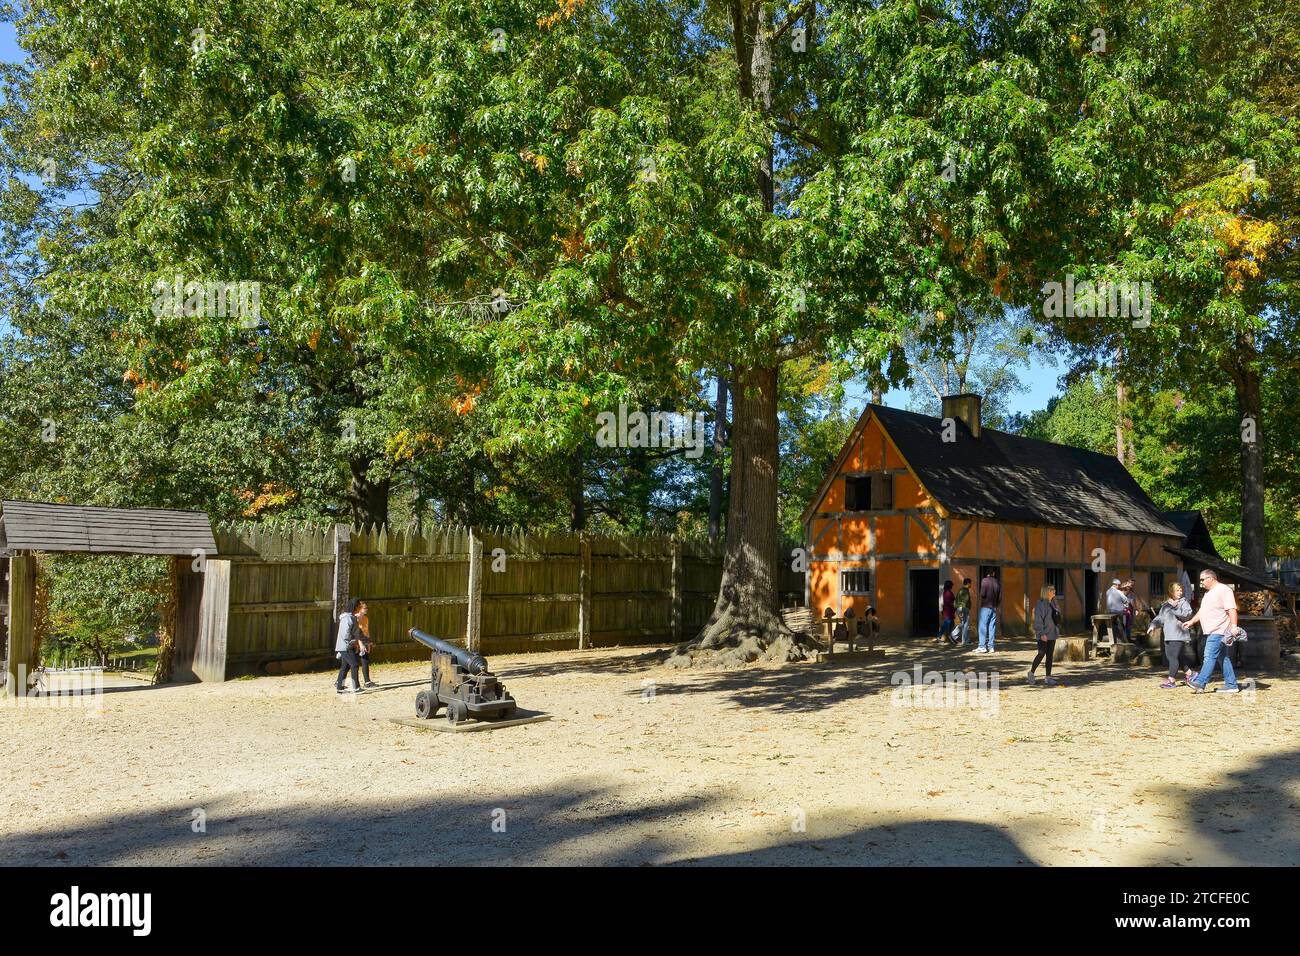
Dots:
(581, 823)
(596, 662)
(1253, 817)
(908, 843)
(809, 688)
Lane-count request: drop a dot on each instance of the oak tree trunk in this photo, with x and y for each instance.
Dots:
(577, 493)
(1245, 377)
(719, 450)
(745, 624)
(367, 498)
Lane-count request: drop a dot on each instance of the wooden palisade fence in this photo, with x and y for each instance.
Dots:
(272, 592)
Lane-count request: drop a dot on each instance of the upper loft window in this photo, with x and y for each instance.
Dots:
(873, 492)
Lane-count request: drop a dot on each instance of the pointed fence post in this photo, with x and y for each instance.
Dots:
(342, 569)
(679, 577)
(474, 622)
(584, 591)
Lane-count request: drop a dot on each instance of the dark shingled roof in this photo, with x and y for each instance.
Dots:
(1005, 477)
(1196, 533)
(1244, 577)
(43, 526)
(1184, 521)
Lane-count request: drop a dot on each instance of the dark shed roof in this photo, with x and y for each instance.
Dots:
(1196, 533)
(1005, 477)
(1244, 577)
(43, 526)
(1184, 521)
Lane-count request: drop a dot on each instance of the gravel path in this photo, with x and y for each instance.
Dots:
(647, 765)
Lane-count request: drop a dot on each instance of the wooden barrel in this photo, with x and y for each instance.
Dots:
(1263, 650)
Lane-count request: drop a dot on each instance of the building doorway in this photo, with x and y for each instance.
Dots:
(924, 584)
(1089, 594)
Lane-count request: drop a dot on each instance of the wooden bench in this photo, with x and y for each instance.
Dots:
(1106, 629)
(847, 629)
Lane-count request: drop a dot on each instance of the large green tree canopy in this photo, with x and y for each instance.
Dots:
(473, 226)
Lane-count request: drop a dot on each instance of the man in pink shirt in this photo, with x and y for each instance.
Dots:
(1217, 616)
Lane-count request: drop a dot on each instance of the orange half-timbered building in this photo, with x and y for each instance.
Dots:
(915, 500)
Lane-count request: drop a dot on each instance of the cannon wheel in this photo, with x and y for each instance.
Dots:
(456, 712)
(426, 705)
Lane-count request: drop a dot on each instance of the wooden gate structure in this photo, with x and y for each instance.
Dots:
(28, 527)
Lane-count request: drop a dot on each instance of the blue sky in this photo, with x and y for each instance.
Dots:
(9, 49)
(1040, 376)
(10, 52)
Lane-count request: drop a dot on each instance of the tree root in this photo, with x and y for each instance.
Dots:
(727, 643)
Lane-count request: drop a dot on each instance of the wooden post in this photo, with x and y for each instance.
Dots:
(678, 573)
(4, 607)
(584, 591)
(167, 615)
(22, 622)
(209, 662)
(807, 565)
(189, 609)
(1029, 624)
(474, 621)
(342, 568)
(945, 558)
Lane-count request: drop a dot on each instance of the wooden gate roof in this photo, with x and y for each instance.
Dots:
(45, 526)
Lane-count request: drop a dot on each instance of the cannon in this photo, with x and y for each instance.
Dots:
(460, 680)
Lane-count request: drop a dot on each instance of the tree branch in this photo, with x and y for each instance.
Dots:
(794, 18)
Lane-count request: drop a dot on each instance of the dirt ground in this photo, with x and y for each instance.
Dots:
(641, 764)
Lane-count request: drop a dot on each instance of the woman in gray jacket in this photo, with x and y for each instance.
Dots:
(1170, 619)
(1047, 628)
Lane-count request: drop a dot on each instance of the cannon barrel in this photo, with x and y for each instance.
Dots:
(473, 663)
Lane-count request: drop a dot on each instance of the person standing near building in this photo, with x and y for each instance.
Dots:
(1217, 616)
(962, 604)
(1130, 610)
(990, 602)
(1169, 619)
(1047, 628)
(948, 613)
(1116, 605)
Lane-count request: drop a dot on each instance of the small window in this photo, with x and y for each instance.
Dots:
(869, 492)
(1055, 577)
(856, 581)
(1157, 583)
(857, 494)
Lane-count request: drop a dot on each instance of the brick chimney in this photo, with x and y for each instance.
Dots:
(964, 408)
